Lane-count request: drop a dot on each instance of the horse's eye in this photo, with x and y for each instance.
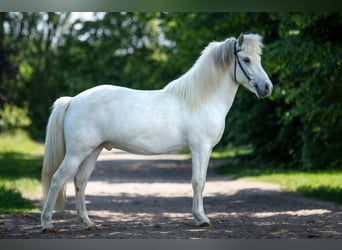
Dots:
(246, 60)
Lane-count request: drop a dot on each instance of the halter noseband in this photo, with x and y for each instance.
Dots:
(238, 60)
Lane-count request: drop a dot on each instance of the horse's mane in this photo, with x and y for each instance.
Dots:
(204, 77)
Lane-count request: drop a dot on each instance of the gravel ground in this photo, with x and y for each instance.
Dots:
(133, 196)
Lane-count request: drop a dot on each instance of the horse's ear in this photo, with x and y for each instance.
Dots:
(241, 37)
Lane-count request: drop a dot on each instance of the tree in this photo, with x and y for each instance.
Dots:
(308, 68)
(298, 126)
(9, 65)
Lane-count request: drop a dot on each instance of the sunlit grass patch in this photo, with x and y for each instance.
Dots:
(231, 152)
(321, 184)
(20, 168)
(19, 142)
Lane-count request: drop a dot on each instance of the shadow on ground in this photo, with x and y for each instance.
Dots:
(246, 213)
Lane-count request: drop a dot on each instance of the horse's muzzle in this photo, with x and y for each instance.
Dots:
(263, 89)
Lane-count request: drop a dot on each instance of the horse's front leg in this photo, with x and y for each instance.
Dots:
(200, 160)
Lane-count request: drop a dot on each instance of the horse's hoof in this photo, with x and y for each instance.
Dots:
(92, 228)
(206, 224)
(49, 230)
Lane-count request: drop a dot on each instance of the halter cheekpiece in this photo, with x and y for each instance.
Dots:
(237, 59)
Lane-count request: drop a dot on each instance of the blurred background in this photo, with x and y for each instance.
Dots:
(47, 55)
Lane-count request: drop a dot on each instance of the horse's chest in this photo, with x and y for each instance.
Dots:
(209, 126)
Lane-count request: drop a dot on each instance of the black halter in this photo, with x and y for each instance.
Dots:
(238, 60)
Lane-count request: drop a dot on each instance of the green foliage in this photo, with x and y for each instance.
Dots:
(19, 142)
(310, 88)
(12, 117)
(299, 125)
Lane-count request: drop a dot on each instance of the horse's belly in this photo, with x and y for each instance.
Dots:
(145, 145)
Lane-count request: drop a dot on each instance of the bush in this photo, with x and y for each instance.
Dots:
(13, 117)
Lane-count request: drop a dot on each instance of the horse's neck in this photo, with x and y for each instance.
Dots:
(201, 87)
(224, 97)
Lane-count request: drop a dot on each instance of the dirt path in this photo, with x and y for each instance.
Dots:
(131, 196)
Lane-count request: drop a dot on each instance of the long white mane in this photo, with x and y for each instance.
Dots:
(204, 77)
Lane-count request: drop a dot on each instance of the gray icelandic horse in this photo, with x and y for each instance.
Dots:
(188, 113)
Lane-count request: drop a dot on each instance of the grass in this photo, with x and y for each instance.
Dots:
(320, 184)
(20, 167)
(19, 142)
(232, 152)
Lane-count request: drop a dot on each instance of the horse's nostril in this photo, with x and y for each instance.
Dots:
(256, 87)
(267, 88)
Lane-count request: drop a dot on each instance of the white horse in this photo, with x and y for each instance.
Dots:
(187, 113)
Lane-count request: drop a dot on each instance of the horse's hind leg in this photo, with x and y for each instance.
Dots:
(80, 181)
(67, 170)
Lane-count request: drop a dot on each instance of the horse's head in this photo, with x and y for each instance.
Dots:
(247, 69)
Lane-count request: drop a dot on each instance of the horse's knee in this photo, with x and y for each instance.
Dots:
(79, 180)
(197, 184)
(57, 183)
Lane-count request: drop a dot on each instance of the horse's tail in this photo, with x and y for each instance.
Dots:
(55, 148)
